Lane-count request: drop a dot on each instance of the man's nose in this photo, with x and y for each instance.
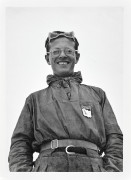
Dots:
(62, 53)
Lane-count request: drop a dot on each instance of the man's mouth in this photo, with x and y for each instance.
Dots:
(63, 62)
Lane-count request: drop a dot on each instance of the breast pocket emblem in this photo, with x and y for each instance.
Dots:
(86, 110)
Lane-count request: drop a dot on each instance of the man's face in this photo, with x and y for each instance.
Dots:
(62, 56)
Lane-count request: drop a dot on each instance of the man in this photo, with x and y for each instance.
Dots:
(70, 124)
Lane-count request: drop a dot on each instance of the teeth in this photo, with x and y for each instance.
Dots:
(62, 63)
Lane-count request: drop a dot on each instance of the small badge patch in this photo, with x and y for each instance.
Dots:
(87, 111)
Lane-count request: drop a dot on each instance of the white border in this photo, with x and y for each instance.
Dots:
(126, 4)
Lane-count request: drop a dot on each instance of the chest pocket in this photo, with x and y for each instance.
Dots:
(91, 109)
(92, 114)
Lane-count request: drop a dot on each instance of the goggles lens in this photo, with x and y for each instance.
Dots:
(54, 35)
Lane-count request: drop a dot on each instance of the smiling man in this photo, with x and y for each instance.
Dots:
(70, 124)
(62, 56)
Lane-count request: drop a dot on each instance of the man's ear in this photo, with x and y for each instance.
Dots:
(47, 59)
(77, 57)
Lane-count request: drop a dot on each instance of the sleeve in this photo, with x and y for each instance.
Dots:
(113, 150)
(21, 152)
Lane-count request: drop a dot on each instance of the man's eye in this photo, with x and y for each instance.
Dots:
(55, 52)
(69, 51)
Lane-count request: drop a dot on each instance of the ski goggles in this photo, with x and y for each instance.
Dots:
(55, 35)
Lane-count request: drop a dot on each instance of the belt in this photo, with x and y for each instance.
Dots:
(72, 150)
(54, 144)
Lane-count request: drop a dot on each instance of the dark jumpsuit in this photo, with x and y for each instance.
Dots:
(56, 112)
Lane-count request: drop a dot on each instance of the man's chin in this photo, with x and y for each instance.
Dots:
(64, 74)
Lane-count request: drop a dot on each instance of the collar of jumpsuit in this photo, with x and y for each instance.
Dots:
(64, 81)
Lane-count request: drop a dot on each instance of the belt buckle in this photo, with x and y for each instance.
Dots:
(54, 144)
(66, 149)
